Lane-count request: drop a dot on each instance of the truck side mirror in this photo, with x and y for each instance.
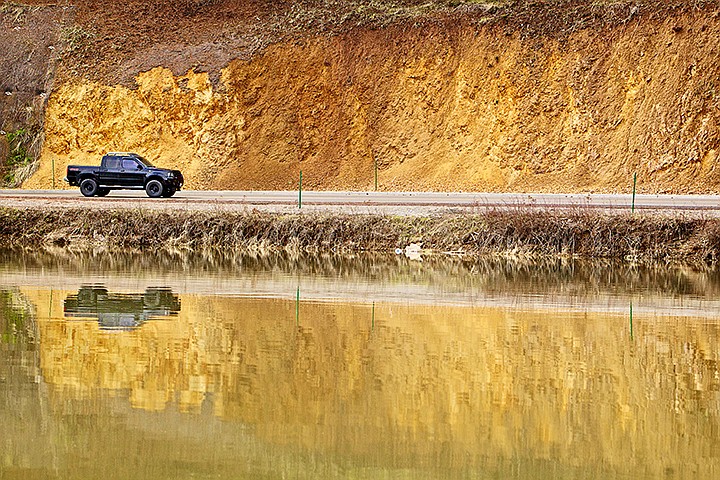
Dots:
(139, 167)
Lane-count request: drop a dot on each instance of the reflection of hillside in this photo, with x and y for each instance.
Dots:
(121, 310)
(426, 387)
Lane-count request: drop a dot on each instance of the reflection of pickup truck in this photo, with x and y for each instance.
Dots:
(121, 311)
(124, 171)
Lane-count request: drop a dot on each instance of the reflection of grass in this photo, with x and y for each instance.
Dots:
(15, 325)
(581, 233)
(490, 273)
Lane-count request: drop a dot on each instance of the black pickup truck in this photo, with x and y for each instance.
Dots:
(124, 171)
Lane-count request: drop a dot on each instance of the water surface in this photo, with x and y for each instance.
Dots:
(367, 367)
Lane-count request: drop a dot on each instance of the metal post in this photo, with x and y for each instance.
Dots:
(632, 209)
(297, 307)
(376, 172)
(300, 191)
(53, 171)
(631, 324)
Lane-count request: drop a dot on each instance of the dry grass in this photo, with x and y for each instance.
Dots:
(582, 234)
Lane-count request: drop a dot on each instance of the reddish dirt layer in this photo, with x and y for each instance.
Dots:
(128, 37)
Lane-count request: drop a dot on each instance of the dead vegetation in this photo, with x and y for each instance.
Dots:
(28, 35)
(581, 234)
(19, 150)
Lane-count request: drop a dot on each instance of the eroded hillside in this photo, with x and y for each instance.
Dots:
(518, 96)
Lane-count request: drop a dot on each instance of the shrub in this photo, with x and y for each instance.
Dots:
(18, 156)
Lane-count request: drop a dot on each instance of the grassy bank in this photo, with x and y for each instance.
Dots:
(579, 233)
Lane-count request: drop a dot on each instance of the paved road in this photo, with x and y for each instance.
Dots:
(409, 203)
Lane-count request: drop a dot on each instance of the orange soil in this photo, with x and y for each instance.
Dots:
(448, 103)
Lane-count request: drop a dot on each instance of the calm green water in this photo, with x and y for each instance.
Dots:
(186, 367)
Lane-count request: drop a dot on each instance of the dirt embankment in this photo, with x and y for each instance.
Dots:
(528, 234)
(508, 96)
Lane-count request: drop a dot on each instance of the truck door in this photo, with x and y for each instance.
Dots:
(132, 173)
(109, 171)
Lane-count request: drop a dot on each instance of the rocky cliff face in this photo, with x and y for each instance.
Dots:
(544, 96)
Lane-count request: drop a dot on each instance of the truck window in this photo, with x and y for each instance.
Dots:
(112, 162)
(129, 164)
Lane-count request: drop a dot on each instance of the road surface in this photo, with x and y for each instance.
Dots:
(395, 203)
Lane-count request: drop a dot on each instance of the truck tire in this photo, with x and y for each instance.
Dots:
(102, 192)
(169, 192)
(154, 188)
(89, 187)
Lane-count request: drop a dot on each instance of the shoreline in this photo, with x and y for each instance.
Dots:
(578, 234)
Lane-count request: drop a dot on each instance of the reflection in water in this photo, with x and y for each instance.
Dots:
(490, 274)
(121, 311)
(17, 326)
(238, 387)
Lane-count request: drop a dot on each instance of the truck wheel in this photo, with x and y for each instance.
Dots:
(169, 192)
(154, 188)
(102, 192)
(89, 187)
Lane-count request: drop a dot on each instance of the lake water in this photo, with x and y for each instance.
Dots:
(157, 367)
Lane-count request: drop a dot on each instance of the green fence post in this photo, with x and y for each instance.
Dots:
(53, 172)
(300, 191)
(376, 183)
(632, 209)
